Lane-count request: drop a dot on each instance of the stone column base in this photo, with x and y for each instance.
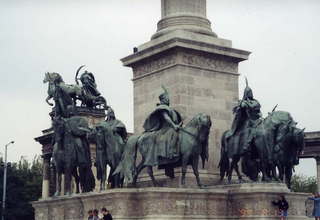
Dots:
(239, 201)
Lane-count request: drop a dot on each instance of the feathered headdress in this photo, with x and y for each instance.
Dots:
(247, 91)
(165, 94)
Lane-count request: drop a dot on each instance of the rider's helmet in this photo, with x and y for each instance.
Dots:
(164, 97)
(247, 94)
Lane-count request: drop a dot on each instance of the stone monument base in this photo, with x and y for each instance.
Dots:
(163, 181)
(239, 201)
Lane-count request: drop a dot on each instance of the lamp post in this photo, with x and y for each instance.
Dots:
(5, 179)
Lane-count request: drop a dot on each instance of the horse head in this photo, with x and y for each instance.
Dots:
(298, 143)
(52, 77)
(202, 123)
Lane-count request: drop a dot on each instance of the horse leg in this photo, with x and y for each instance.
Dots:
(281, 173)
(185, 159)
(103, 178)
(68, 181)
(274, 173)
(140, 167)
(236, 168)
(114, 179)
(47, 100)
(58, 183)
(264, 171)
(76, 179)
(150, 172)
(288, 174)
(195, 163)
(230, 170)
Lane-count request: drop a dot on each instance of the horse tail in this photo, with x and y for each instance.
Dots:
(205, 149)
(126, 167)
(224, 161)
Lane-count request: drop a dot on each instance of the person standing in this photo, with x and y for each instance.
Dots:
(95, 215)
(316, 206)
(283, 207)
(90, 215)
(106, 214)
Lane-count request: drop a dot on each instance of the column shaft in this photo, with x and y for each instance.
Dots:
(46, 177)
(318, 173)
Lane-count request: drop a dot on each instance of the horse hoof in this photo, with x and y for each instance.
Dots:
(56, 194)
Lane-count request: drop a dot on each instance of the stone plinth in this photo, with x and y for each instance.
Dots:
(246, 201)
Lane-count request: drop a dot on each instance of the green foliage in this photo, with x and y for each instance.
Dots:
(301, 183)
(24, 183)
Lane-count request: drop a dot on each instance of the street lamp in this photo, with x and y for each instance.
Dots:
(5, 179)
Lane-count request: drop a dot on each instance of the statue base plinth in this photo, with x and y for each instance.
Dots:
(238, 201)
(206, 178)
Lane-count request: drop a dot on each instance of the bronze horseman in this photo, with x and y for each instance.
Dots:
(164, 121)
(166, 144)
(261, 143)
(71, 152)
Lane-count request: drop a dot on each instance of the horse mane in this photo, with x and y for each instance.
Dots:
(54, 77)
(194, 122)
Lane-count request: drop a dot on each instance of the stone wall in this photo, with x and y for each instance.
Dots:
(241, 201)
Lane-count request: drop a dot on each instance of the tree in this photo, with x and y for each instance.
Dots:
(24, 183)
(301, 183)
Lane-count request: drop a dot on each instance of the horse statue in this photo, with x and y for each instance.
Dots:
(192, 143)
(288, 151)
(72, 153)
(110, 137)
(58, 157)
(274, 132)
(86, 93)
(55, 80)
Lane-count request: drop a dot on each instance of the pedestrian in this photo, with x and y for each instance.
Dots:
(283, 207)
(90, 215)
(316, 206)
(106, 214)
(95, 214)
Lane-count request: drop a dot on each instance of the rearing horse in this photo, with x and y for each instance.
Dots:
(55, 80)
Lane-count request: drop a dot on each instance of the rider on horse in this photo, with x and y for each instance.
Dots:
(247, 117)
(89, 84)
(161, 132)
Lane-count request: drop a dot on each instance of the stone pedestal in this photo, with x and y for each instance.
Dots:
(199, 70)
(245, 201)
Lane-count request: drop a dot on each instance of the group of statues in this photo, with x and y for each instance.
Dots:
(269, 146)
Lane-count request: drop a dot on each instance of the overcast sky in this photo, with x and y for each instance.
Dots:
(41, 35)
